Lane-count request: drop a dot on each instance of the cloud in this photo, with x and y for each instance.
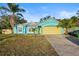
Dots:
(65, 14)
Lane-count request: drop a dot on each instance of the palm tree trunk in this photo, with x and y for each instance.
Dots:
(12, 21)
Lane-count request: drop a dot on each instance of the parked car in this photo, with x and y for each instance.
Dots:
(74, 33)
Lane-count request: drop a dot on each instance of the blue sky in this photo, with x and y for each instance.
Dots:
(35, 11)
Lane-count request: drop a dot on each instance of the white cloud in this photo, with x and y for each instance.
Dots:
(65, 14)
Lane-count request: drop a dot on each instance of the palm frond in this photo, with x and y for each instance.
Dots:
(19, 14)
(4, 8)
(21, 10)
(15, 8)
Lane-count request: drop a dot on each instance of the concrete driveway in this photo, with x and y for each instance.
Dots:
(63, 46)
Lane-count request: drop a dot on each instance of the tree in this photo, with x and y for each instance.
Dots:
(74, 20)
(41, 20)
(19, 20)
(77, 14)
(45, 18)
(66, 24)
(33, 29)
(14, 10)
(48, 17)
(39, 28)
(4, 23)
(77, 18)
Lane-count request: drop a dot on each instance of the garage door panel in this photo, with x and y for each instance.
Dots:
(51, 30)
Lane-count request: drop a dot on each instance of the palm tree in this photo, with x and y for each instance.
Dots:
(14, 10)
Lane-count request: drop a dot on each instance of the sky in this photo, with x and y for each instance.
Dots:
(35, 11)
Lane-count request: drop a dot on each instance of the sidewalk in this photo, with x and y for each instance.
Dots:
(63, 46)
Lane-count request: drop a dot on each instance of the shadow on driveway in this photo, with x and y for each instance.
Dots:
(73, 39)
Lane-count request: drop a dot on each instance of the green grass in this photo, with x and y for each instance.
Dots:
(25, 45)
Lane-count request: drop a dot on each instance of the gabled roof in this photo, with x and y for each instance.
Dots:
(49, 22)
(31, 24)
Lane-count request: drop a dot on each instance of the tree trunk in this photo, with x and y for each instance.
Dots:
(66, 31)
(39, 31)
(12, 21)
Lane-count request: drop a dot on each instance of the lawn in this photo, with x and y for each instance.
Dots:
(25, 45)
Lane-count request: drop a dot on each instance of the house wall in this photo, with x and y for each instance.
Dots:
(20, 29)
(25, 29)
(6, 31)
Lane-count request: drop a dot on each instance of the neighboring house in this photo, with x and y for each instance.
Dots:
(25, 28)
(6, 31)
(49, 26)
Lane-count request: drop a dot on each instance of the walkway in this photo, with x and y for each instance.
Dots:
(63, 46)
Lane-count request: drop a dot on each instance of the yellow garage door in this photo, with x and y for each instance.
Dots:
(51, 30)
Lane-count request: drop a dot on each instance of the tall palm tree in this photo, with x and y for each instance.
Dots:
(14, 10)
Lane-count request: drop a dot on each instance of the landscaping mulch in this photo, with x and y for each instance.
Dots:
(26, 45)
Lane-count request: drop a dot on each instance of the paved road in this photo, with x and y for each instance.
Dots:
(63, 46)
(73, 39)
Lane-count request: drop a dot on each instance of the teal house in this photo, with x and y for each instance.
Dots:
(25, 28)
(47, 25)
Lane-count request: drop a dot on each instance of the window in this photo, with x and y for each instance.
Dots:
(19, 29)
